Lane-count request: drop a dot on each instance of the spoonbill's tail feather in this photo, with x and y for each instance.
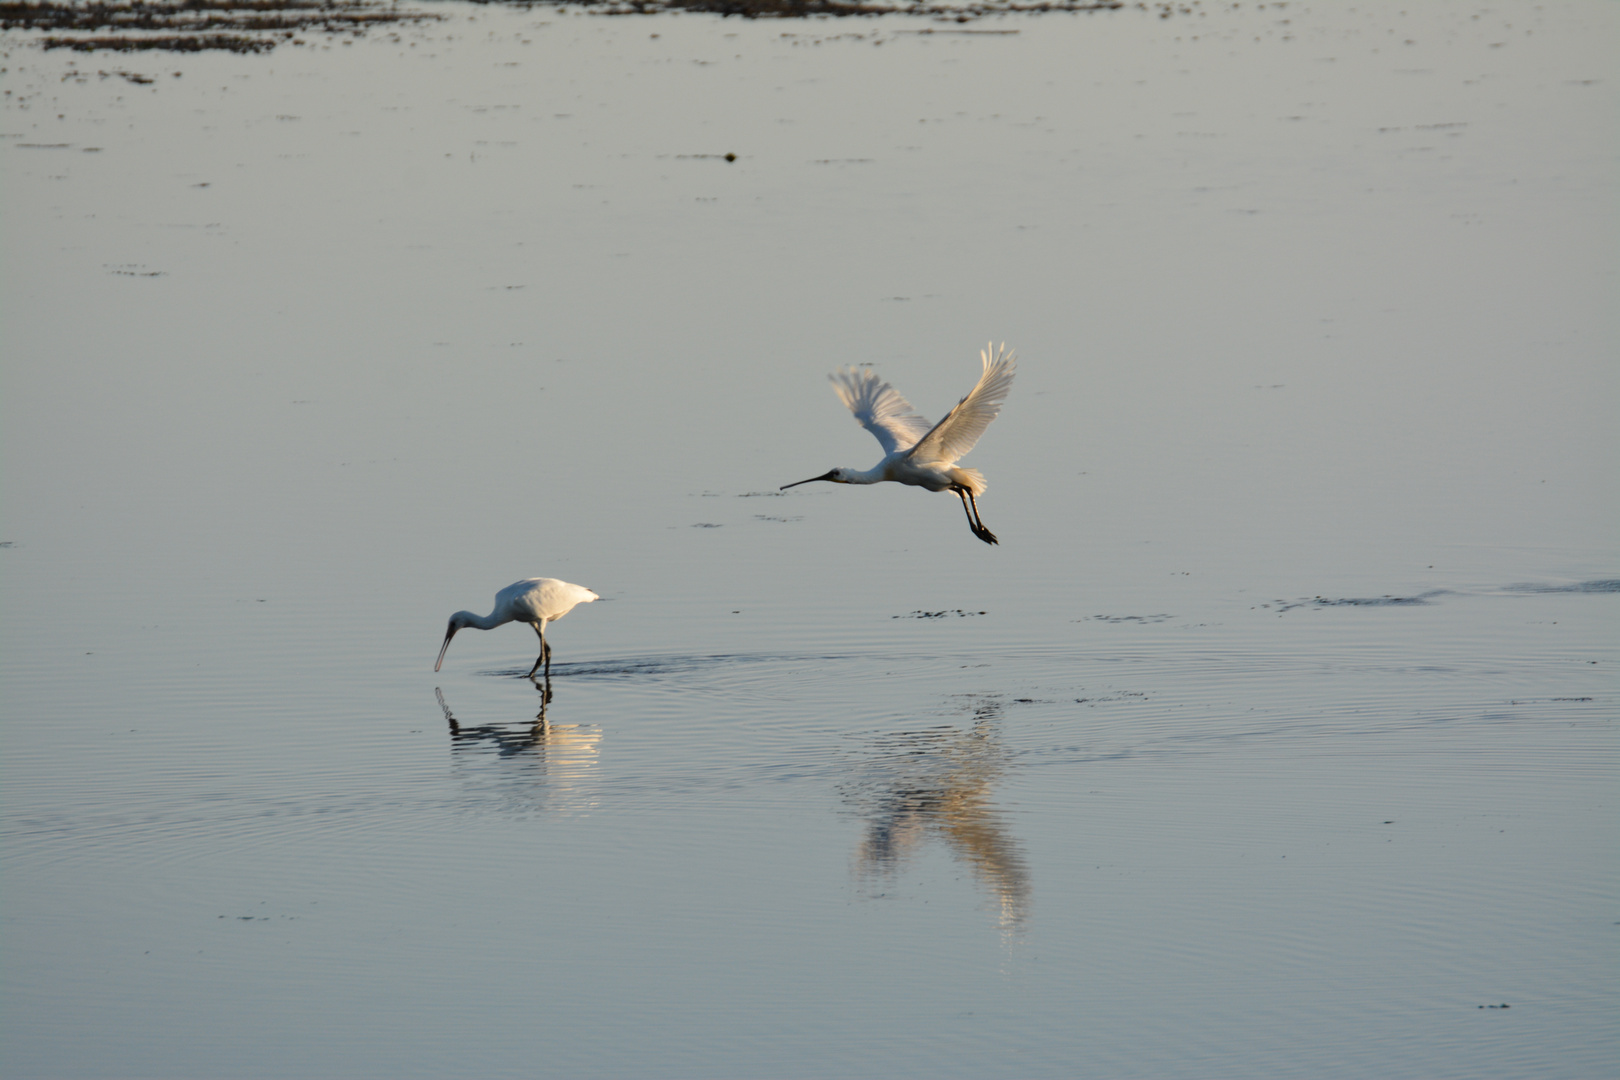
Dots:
(972, 479)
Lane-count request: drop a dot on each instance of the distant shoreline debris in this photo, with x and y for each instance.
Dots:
(254, 26)
(244, 26)
(964, 11)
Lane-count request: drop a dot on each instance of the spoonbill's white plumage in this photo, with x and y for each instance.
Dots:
(536, 601)
(919, 454)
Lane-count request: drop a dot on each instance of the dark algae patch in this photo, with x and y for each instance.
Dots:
(1418, 600)
(245, 26)
(802, 9)
(250, 26)
(173, 43)
(1602, 585)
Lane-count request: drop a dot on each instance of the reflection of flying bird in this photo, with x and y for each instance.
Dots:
(916, 453)
(940, 783)
(535, 601)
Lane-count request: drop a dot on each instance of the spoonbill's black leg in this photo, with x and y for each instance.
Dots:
(545, 652)
(961, 493)
(970, 507)
(982, 533)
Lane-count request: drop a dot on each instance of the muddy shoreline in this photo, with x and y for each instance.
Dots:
(198, 25)
(251, 26)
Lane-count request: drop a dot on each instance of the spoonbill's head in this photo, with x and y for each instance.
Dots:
(837, 476)
(460, 620)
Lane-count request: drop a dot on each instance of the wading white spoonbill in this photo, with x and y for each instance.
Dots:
(914, 452)
(536, 601)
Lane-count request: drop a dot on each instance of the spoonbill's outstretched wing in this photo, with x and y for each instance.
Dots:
(955, 435)
(879, 408)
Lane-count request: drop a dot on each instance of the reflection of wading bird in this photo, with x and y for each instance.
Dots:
(505, 742)
(540, 764)
(917, 454)
(536, 601)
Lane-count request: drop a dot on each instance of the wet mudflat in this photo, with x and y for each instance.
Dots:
(1276, 738)
(189, 26)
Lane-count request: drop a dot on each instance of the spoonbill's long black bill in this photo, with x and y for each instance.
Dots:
(813, 479)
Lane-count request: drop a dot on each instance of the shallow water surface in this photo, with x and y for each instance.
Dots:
(1276, 738)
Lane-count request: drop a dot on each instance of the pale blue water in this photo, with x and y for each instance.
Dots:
(1277, 737)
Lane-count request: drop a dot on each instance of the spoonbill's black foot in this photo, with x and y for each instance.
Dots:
(986, 535)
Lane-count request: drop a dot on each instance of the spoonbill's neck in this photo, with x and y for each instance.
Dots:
(484, 622)
(870, 476)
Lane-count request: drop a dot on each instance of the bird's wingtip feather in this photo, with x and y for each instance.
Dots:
(993, 354)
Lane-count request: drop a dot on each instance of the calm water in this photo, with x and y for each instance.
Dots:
(1277, 737)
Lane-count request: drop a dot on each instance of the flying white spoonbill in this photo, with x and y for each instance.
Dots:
(536, 601)
(915, 452)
